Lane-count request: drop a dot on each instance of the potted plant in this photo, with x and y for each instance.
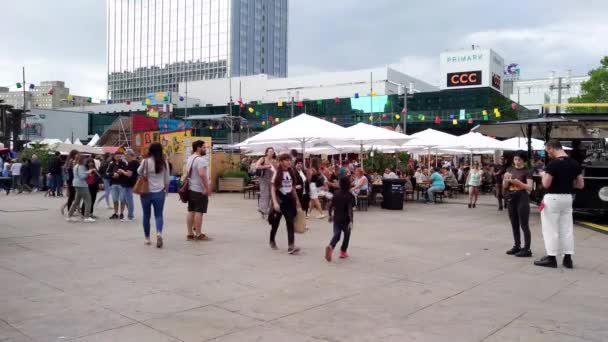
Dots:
(232, 180)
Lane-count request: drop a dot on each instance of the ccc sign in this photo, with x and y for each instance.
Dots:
(464, 78)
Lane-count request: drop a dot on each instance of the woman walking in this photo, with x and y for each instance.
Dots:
(69, 170)
(316, 183)
(264, 169)
(156, 169)
(284, 202)
(518, 182)
(81, 190)
(93, 180)
(341, 212)
(474, 182)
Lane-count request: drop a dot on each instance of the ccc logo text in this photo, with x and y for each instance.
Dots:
(464, 78)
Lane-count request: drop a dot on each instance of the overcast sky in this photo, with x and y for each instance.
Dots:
(65, 39)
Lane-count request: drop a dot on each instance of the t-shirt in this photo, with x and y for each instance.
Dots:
(127, 181)
(564, 171)
(16, 169)
(522, 175)
(197, 162)
(113, 168)
(437, 180)
(286, 183)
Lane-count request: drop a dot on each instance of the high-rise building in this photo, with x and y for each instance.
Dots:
(46, 95)
(154, 44)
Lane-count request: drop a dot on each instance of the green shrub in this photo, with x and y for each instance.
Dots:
(236, 174)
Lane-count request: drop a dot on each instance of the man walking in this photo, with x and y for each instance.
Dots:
(16, 172)
(562, 175)
(55, 168)
(199, 191)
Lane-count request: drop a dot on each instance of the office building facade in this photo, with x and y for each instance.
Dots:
(154, 44)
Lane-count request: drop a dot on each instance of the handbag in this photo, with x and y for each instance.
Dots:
(142, 186)
(185, 188)
(299, 223)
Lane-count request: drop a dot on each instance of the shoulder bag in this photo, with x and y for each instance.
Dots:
(142, 186)
(185, 188)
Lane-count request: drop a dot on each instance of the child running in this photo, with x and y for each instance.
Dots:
(341, 212)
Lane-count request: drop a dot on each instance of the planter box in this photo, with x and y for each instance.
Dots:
(230, 184)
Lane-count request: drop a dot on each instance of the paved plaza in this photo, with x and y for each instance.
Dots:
(428, 273)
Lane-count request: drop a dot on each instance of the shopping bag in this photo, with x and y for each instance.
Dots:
(299, 224)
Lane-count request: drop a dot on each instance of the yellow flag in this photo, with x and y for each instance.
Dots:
(280, 103)
(455, 122)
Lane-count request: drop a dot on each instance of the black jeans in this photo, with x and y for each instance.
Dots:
(288, 210)
(71, 194)
(338, 229)
(304, 201)
(519, 214)
(500, 195)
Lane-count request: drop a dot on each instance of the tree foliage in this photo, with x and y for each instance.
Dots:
(595, 90)
(380, 161)
(43, 153)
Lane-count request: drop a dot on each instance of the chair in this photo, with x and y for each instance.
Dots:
(438, 196)
(409, 194)
(362, 202)
(249, 191)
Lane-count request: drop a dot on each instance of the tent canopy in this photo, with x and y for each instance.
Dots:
(303, 129)
(94, 140)
(474, 142)
(368, 134)
(430, 138)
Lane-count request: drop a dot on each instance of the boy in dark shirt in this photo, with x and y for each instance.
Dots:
(341, 211)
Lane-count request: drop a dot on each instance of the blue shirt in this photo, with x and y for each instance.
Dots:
(437, 180)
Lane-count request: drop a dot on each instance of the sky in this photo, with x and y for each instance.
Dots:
(66, 39)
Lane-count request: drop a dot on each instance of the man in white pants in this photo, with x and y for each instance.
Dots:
(561, 176)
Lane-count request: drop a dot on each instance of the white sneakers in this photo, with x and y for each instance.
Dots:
(89, 220)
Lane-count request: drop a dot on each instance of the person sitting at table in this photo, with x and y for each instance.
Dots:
(389, 174)
(449, 179)
(437, 185)
(360, 184)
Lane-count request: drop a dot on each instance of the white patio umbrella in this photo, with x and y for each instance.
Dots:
(475, 142)
(519, 143)
(303, 130)
(67, 141)
(94, 140)
(429, 140)
(365, 134)
(77, 142)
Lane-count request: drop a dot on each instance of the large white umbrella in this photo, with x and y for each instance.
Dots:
(303, 130)
(429, 140)
(365, 134)
(519, 143)
(67, 141)
(475, 142)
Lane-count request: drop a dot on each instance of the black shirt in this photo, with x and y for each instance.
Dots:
(129, 182)
(342, 205)
(522, 175)
(564, 171)
(113, 167)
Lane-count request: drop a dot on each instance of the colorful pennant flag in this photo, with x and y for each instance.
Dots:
(280, 104)
(251, 110)
(462, 114)
(455, 122)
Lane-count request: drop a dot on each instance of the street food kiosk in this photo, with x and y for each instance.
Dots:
(591, 128)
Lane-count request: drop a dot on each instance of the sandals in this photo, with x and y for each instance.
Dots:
(190, 237)
(203, 237)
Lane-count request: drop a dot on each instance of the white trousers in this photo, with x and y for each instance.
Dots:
(557, 223)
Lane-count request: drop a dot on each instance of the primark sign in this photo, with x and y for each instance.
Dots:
(465, 58)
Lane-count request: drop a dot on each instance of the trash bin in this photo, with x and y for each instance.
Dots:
(392, 193)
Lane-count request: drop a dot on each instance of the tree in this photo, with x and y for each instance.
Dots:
(595, 90)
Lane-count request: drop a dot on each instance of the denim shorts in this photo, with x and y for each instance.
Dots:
(115, 191)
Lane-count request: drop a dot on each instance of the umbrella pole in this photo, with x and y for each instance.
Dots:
(435, 159)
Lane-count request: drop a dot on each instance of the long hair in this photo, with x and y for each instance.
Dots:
(274, 153)
(155, 151)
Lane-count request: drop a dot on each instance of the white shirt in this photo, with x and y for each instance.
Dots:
(16, 169)
(391, 175)
(196, 183)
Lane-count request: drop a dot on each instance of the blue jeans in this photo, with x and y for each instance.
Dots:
(431, 192)
(156, 200)
(115, 192)
(56, 184)
(126, 196)
(106, 191)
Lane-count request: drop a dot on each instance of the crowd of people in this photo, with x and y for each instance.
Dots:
(289, 188)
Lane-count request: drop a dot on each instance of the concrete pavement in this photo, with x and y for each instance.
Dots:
(428, 273)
